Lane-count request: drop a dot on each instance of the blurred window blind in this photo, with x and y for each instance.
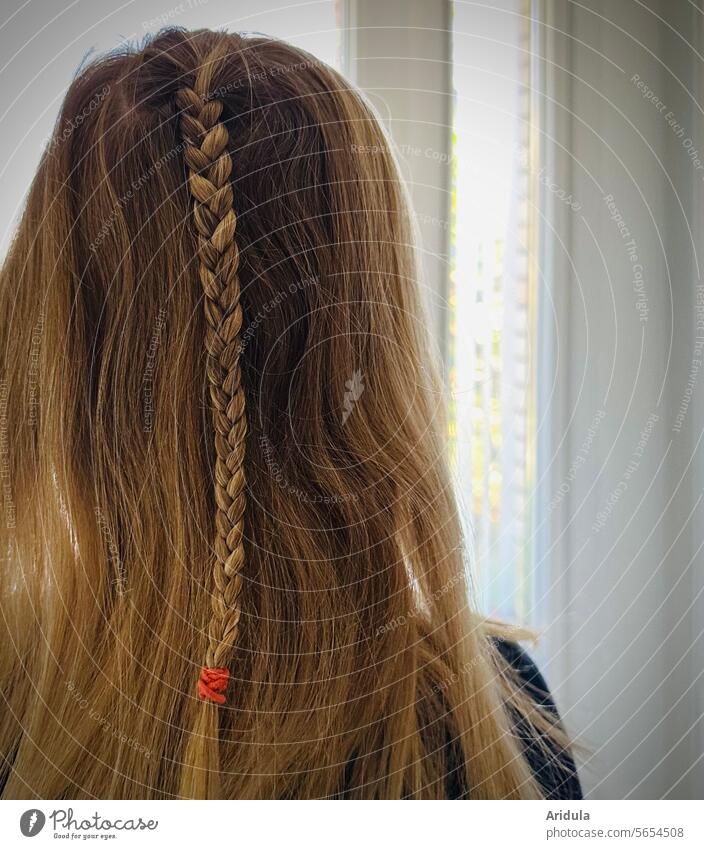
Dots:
(493, 298)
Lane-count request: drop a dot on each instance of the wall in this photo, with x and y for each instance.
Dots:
(622, 551)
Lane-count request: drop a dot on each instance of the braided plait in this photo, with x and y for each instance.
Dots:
(209, 164)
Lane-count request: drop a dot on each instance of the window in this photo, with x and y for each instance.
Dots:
(493, 298)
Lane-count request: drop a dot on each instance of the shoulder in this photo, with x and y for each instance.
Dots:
(529, 676)
(554, 770)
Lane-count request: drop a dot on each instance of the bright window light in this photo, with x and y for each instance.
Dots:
(493, 295)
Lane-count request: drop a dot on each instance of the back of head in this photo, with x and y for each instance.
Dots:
(234, 562)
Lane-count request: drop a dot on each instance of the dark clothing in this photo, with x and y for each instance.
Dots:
(556, 775)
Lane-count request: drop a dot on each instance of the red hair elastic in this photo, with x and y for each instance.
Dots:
(213, 683)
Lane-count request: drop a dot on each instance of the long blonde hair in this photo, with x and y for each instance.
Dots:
(222, 448)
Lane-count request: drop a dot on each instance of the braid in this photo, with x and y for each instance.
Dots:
(209, 167)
